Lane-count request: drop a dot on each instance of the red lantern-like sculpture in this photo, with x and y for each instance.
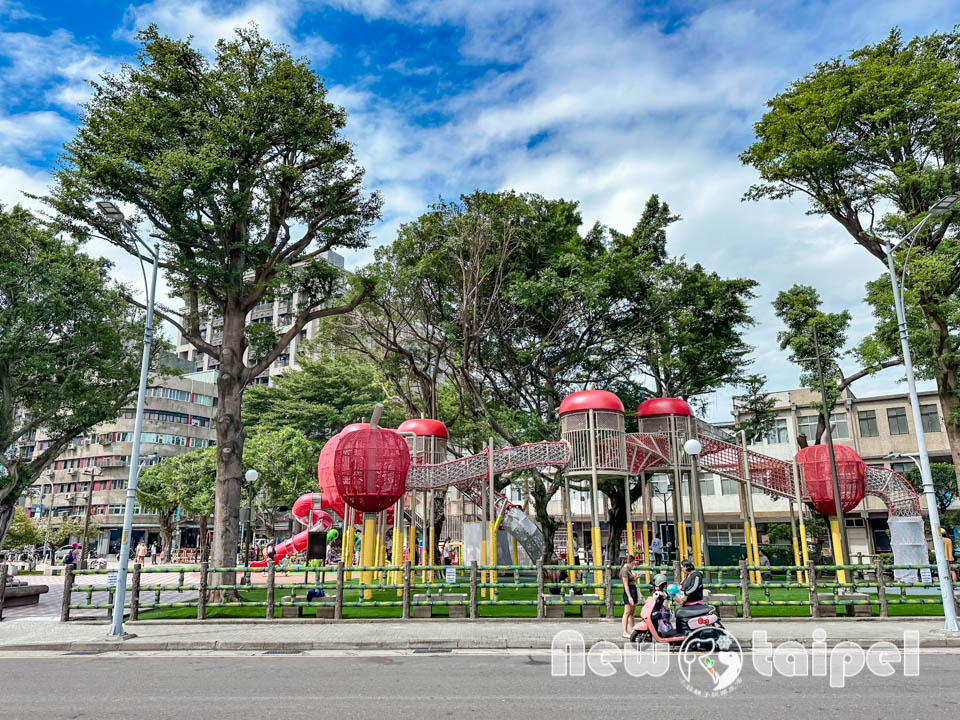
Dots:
(330, 496)
(851, 474)
(370, 467)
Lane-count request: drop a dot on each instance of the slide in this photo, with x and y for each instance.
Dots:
(301, 510)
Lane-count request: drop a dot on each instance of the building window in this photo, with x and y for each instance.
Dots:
(807, 425)
(839, 423)
(897, 419)
(930, 418)
(725, 534)
(778, 433)
(901, 467)
(706, 486)
(868, 423)
(728, 486)
(854, 522)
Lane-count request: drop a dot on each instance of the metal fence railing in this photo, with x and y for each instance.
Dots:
(469, 591)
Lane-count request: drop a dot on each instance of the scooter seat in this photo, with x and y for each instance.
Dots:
(691, 611)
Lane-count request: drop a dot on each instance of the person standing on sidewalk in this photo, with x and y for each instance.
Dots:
(631, 596)
(141, 555)
(948, 552)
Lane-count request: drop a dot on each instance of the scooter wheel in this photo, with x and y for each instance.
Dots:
(634, 636)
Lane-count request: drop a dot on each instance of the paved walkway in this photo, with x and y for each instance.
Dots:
(298, 635)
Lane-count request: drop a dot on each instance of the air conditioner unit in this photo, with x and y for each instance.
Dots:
(196, 422)
(71, 446)
(71, 471)
(107, 441)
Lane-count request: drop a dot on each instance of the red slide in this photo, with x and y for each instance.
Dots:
(301, 510)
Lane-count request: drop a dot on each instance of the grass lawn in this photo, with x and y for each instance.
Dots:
(757, 597)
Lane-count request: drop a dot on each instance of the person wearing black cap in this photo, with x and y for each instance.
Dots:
(692, 585)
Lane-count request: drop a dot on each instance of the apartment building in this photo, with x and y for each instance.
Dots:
(179, 416)
(278, 312)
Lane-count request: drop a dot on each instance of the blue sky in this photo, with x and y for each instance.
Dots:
(602, 102)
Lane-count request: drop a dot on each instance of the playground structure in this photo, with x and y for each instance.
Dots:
(594, 444)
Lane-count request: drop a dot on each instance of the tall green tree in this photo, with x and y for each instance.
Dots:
(871, 141)
(755, 408)
(799, 308)
(944, 483)
(180, 487)
(532, 307)
(286, 461)
(329, 390)
(23, 531)
(65, 349)
(239, 164)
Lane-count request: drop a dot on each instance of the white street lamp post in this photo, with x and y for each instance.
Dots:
(946, 587)
(112, 212)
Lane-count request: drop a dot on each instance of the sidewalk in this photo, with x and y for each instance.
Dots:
(297, 635)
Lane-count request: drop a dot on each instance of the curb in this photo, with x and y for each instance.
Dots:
(931, 641)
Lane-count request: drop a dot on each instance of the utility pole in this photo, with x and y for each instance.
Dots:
(837, 504)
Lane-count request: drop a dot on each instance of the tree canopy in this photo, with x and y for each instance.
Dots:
(238, 165)
(67, 348)
(871, 141)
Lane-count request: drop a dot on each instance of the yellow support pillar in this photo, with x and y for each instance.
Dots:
(396, 554)
(516, 553)
(597, 559)
(835, 542)
(571, 574)
(368, 546)
(346, 546)
(431, 559)
(483, 573)
(492, 548)
(629, 512)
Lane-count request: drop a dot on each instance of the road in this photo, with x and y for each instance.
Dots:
(427, 686)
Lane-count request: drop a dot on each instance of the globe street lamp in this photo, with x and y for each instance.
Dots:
(251, 477)
(113, 213)
(942, 206)
(693, 448)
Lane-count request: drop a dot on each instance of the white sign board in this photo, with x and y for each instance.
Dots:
(925, 575)
(450, 574)
(112, 578)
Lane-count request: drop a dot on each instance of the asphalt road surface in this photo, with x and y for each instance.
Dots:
(427, 686)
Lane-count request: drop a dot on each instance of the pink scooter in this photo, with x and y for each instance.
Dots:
(654, 624)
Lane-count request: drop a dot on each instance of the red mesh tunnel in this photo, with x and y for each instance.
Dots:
(851, 474)
(370, 467)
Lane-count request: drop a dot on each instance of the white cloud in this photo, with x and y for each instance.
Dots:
(208, 22)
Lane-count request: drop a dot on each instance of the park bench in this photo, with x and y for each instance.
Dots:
(425, 611)
(554, 605)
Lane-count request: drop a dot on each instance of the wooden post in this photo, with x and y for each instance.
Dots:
(814, 597)
(271, 589)
(338, 605)
(608, 586)
(202, 599)
(135, 593)
(67, 584)
(745, 589)
(406, 590)
(540, 608)
(474, 614)
(676, 572)
(3, 587)
(881, 587)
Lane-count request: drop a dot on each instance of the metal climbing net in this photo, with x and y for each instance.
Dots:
(555, 454)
